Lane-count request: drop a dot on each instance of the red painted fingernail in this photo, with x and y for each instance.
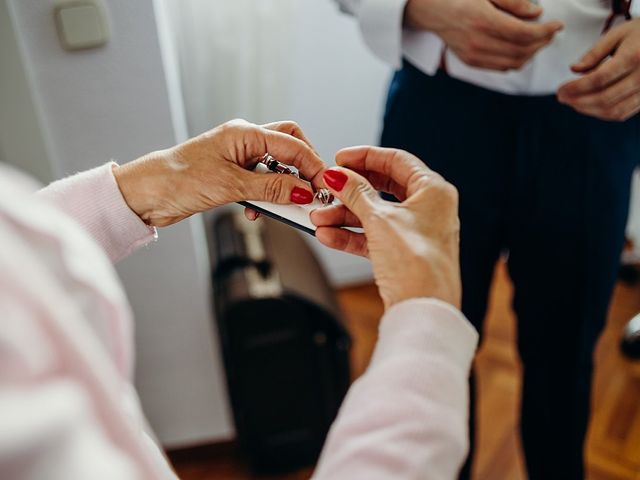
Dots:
(301, 196)
(335, 179)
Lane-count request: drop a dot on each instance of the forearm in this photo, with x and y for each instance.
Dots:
(94, 200)
(406, 417)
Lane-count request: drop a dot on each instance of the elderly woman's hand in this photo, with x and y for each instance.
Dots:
(413, 245)
(213, 169)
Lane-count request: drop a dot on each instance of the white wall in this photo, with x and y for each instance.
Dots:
(22, 143)
(267, 60)
(114, 102)
(336, 91)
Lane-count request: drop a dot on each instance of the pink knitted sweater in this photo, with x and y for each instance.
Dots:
(67, 406)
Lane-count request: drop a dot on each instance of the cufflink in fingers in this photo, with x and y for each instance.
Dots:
(323, 195)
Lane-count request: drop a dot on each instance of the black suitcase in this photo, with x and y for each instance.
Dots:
(284, 346)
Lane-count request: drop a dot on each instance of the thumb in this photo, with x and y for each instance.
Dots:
(274, 188)
(353, 190)
(519, 8)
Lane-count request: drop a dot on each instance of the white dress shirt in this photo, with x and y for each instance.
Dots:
(584, 20)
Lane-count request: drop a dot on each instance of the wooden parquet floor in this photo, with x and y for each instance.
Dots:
(613, 446)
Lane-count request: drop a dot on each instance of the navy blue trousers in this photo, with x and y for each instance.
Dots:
(551, 187)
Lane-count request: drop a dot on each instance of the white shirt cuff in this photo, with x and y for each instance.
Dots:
(381, 26)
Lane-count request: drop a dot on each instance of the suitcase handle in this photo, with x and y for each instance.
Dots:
(231, 264)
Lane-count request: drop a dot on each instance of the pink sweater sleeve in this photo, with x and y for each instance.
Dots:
(406, 417)
(94, 200)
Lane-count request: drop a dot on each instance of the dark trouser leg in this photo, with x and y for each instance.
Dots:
(467, 134)
(570, 206)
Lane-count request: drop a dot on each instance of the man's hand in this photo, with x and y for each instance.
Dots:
(485, 34)
(610, 87)
(413, 245)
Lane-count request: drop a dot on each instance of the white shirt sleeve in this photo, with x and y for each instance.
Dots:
(635, 8)
(407, 416)
(381, 26)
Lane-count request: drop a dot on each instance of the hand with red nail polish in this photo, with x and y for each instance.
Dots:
(301, 196)
(413, 245)
(214, 169)
(335, 179)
